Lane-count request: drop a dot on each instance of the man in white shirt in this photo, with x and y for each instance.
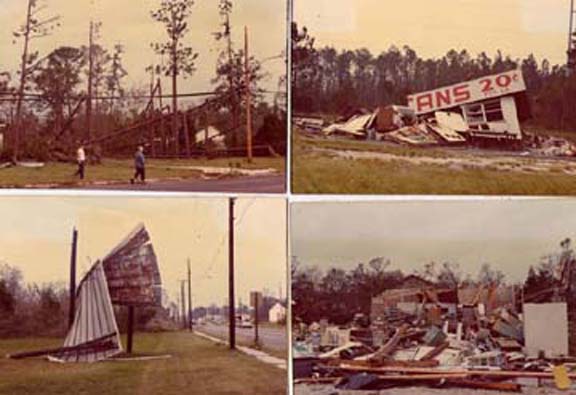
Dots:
(81, 160)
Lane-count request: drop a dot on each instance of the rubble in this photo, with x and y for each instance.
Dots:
(484, 113)
(424, 335)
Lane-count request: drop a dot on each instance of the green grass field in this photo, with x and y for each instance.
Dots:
(321, 173)
(197, 366)
(116, 170)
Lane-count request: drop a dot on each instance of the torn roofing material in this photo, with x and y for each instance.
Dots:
(356, 126)
(94, 335)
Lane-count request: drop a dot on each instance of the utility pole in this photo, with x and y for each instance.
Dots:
(182, 282)
(130, 332)
(570, 64)
(231, 309)
(190, 310)
(23, 74)
(256, 335)
(72, 307)
(572, 39)
(248, 96)
(90, 84)
(174, 55)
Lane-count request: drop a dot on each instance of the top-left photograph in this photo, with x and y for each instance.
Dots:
(162, 95)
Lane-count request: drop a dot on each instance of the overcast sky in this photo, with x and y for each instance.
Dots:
(35, 237)
(510, 235)
(128, 22)
(517, 27)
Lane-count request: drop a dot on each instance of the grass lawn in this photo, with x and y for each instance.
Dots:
(197, 366)
(122, 170)
(316, 172)
(282, 354)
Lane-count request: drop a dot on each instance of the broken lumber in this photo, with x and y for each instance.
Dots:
(99, 344)
(384, 352)
(435, 351)
(482, 373)
(391, 363)
(475, 384)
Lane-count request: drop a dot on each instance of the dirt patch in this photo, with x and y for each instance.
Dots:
(499, 163)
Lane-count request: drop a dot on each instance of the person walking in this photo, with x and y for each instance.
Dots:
(139, 166)
(81, 162)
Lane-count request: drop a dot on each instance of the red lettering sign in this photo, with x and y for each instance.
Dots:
(468, 92)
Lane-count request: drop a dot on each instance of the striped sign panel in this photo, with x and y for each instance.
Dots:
(94, 335)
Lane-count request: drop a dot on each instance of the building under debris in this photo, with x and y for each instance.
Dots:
(484, 109)
(484, 112)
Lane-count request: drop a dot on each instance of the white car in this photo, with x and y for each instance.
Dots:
(244, 324)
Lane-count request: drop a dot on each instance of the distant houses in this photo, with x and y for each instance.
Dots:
(277, 313)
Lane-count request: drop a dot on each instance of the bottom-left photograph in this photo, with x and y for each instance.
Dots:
(143, 295)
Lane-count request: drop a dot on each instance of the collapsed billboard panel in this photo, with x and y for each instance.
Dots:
(488, 87)
(94, 335)
(132, 271)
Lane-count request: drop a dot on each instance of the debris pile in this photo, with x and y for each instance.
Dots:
(552, 147)
(486, 113)
(479, 338)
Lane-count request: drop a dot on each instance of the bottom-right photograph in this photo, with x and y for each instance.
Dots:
(434, 296)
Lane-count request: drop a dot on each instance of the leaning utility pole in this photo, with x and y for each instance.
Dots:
(231, 308)
(248, 96)
(73, 254)
(90, 83)
(190, 311)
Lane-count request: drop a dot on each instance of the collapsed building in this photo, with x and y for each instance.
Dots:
(474, 336)
(483, 112)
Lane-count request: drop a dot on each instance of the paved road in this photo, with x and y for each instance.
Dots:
(254, 184)
(273, 338)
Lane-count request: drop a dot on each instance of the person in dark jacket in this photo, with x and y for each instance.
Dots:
(139, 166)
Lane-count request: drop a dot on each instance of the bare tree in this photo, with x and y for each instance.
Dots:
(173, 14)
(115, 76)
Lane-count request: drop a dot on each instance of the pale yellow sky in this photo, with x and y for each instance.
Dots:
(517, 27)
(128, 22)
(35, 236)
(510, 235)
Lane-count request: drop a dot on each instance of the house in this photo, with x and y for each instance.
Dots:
(277, 313)
(412, 292)
(491, 107)
(210, 134)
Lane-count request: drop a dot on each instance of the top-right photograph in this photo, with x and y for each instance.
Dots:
(459, 97)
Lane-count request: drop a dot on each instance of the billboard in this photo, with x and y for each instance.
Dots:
(488, 87)
(132, 271)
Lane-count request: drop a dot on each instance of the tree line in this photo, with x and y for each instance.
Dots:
(42, 310)
(330, 81)
(338, 294)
